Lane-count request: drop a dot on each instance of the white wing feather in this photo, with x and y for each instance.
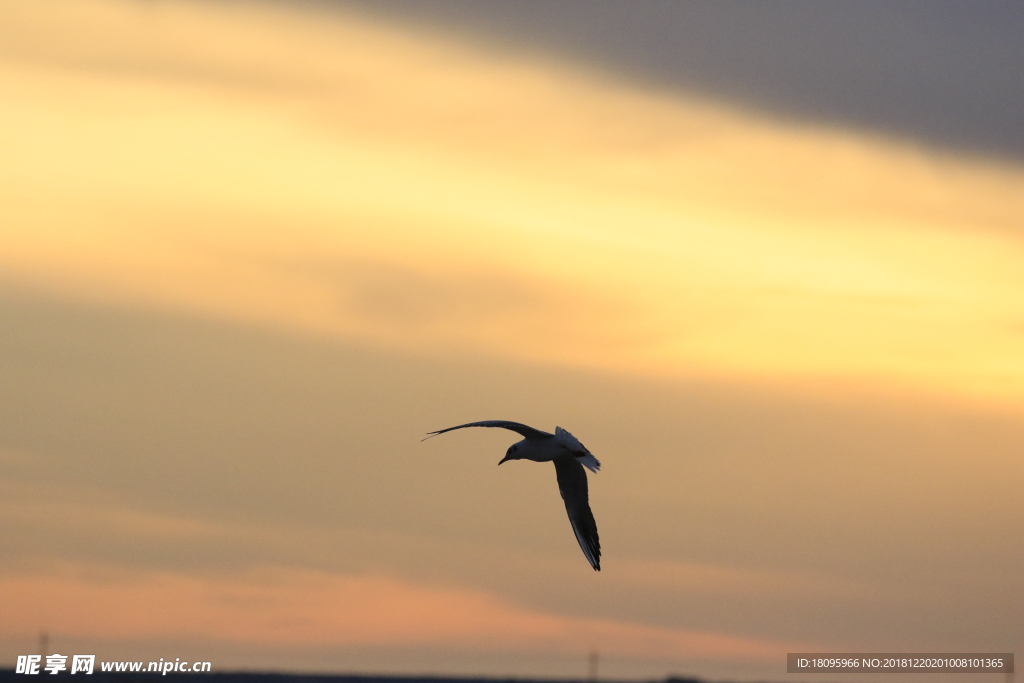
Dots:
(583, 456)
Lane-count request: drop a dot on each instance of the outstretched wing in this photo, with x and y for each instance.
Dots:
(572, 484)
(528, 432)
(573, 445)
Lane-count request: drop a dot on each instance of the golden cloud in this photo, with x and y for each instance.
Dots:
(323, 173)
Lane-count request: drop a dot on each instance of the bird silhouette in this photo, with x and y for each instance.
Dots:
(569, 457)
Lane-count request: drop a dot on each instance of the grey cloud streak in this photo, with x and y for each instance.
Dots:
(944, 72)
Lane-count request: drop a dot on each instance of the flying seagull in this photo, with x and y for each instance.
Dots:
(570, 457)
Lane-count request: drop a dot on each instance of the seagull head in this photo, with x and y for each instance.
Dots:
(511, 454)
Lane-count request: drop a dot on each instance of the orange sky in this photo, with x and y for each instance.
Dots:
(264, 165)
(829, 301)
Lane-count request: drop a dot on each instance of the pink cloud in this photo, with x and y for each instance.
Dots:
(289, 606)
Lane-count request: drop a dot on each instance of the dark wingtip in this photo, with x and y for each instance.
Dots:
(430, 435)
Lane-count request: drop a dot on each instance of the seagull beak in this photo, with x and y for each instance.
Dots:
(504, 459)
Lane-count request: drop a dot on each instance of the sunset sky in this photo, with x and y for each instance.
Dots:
(251, 252)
